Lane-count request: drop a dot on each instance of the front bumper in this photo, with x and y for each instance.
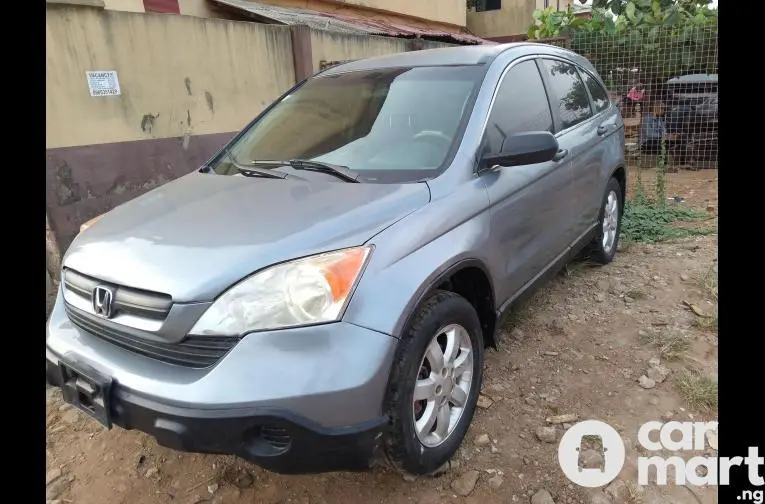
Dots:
(273, 438)
(293, 401)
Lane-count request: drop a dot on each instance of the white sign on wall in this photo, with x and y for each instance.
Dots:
(103, 83)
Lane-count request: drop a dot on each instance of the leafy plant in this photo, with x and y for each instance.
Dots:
(550, 23)
(659, 38)
(632, 7)
(648, 221)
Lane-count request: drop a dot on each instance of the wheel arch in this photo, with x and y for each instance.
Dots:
(620, 174)
(469, 278)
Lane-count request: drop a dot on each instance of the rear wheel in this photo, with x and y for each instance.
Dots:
(603, 247)
(434, 384)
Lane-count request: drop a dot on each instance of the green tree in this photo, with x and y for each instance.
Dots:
(660, 38)
(619, 7)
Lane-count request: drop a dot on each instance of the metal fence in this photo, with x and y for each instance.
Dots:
(664, 79)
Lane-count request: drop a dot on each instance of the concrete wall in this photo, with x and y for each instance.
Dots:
(333, 46)
(187, 85)
(445, 11)
(514, 18)
(440, 14)
(444, 14)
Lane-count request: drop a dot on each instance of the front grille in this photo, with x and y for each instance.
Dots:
(127, 300)
(193, 351)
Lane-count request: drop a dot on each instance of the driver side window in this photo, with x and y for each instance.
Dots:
(520, 105)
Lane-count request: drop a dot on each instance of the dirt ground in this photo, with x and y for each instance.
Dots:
(578, 347)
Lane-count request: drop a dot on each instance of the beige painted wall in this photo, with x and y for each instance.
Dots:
(192, 75)
(333, 46)
(513, 19)
(447, 15)
(205, 9)
(125, 5)
(445, 11)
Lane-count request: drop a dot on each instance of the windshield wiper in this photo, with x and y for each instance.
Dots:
(251, 169)
(341, 172)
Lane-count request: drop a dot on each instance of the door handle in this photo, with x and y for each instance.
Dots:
(560, 155)
(602, 130)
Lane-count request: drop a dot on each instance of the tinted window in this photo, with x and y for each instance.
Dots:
(568, 91)
(599, 95)
(391, 125)
(521, 105)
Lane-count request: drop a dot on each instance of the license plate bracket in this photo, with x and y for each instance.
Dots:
(88, 391)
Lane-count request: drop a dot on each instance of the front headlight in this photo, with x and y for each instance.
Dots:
(305, 291)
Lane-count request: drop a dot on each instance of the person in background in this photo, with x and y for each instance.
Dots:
(679, 125)
(653, 129)
(634, 98)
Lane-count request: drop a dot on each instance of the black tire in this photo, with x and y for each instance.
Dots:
(598, 252)
(403, 449)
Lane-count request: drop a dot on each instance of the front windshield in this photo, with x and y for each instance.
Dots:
(390, 125)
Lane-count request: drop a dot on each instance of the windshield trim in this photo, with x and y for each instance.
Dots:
(216, 158)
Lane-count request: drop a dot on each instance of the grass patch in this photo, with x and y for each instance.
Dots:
(671, 346)
(625, 244)
(707, 323)
(646, 221)
(578, 268)
(522, 312)
(708, 283)
(634, 494)
(637, 294)
(698, 389)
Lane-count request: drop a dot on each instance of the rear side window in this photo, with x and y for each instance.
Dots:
(599, 95)
(568, 92)
(520, 105)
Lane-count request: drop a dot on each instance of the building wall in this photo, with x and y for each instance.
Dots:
(448, 15)
(445, 11)
(513, 18)
(124, 5)
(187, 85)
(333, 46)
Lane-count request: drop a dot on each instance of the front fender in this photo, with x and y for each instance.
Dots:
(411, 257)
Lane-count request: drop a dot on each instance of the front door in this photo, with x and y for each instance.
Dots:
(530, 205)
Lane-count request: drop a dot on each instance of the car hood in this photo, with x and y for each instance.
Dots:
(194, 237)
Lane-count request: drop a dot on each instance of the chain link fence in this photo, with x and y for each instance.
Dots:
(664, 80)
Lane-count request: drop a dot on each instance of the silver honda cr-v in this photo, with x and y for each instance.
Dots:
(319, 294)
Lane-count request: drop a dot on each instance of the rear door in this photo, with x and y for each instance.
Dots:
(577, 133)
(607, 125)
(529, 204)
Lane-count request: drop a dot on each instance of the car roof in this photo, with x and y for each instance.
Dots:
(694, 79)
(461, 55)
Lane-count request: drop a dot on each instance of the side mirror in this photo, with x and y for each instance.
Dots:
(523, 149)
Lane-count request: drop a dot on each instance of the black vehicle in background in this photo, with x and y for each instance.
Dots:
(692, 116)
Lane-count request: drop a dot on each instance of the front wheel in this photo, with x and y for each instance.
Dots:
(603, 247)
(434, 384)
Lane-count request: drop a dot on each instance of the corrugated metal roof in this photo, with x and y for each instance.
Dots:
(343, 23)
